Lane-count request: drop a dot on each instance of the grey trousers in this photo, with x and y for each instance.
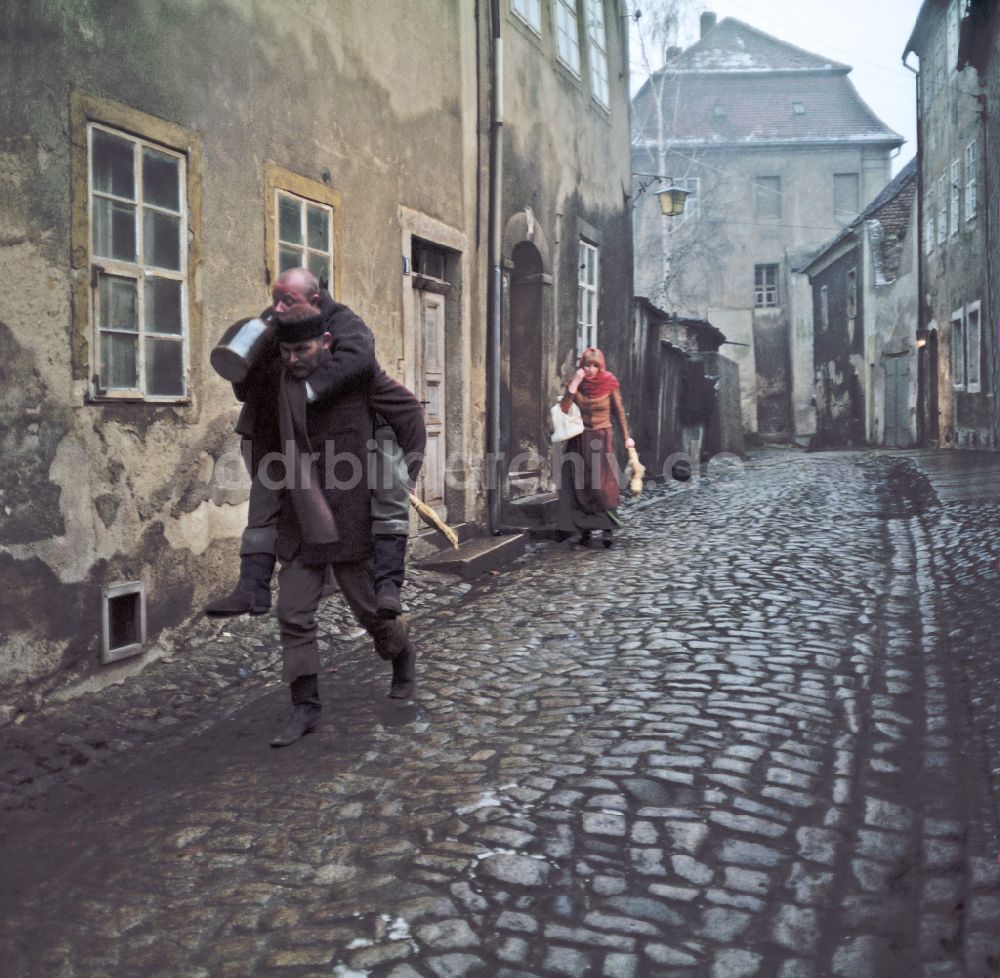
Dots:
(300, 588)
(390, 505)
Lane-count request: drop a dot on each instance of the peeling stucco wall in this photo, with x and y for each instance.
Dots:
(94, 493)
(565, 173)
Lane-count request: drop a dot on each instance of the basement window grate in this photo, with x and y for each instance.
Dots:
(123, 621)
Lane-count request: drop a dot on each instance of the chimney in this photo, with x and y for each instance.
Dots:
(674, 52)
(707, 22)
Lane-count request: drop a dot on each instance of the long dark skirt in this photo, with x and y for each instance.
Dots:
(589, 492)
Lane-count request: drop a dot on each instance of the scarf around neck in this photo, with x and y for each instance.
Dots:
(316, 522)
(603, 382)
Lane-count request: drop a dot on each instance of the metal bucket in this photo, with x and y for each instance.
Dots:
(241, 347)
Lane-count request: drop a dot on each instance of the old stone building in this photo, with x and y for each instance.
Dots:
(565, 224)
(864, 314)
(158, 171)
(778, 152)
(959, 359)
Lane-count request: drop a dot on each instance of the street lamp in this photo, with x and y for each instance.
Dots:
(671, 198)
(922, 335)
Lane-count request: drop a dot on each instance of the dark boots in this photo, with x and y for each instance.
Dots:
(252, 594)
(606, 538)
(305, 711)
(388, 572)
(404, 674)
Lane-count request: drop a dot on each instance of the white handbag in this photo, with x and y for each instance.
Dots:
(566, 425)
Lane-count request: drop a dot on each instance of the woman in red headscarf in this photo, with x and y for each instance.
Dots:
(589, 490)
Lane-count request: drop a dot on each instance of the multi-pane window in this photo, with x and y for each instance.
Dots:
(692, 203)
(953, 15)
(942, 224)
(846, 194)
(138, 246)
(567, 35)
(767, 197)
(970, 180)
(852, 293)
(598, 37)
(824, 307)
(973, 347)
(587, 283)
(956, 178)
(305, 234)
(765, 282)
(530, 12)
(958, 349)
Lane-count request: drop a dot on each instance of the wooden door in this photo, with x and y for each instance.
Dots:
(431, 392)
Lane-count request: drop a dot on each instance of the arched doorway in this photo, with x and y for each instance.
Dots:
(525, 434)
(933, 354)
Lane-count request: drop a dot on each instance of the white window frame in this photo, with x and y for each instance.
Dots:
(956, 183)
(587, 291)
(952, 35)
(530, 12)
(929, 227)
(971, 185)
(305, 250)
(597, 35)
(692, 203)
(973, 347)
(824, 307)
(567, 30)
(942, 230)
(765, 290)
(957, 329)
(139, 271)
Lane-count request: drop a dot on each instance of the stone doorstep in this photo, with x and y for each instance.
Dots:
(530, 512)
(476, 556)
(430, 542)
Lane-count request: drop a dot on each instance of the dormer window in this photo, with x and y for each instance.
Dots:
(798, 108)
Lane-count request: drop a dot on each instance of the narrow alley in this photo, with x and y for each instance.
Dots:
(757, 737)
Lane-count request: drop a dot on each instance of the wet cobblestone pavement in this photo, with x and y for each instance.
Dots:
(757, 737)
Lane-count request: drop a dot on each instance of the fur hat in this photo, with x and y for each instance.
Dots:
(300, 323)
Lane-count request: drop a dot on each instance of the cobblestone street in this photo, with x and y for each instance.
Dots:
(757, 737)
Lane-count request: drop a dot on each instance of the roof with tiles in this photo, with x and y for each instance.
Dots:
(890, 208)
(738, 85)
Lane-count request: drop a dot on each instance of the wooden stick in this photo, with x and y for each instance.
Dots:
(432, 519)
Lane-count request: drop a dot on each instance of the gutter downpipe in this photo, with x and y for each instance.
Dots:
(922, 357)
(493, 473)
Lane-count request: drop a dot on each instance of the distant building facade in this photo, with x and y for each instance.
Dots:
(779, 152)
(864, 315)
(956, 178)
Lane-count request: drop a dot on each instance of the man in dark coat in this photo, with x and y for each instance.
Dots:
(326, 451)
(352, 359)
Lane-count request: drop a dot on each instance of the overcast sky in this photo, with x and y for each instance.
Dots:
(868, 34)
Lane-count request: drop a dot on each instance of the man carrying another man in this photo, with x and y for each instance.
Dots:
(313, 409)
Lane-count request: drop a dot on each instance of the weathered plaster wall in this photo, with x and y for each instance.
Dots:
(566, 173)
(955, 271)
(839, 355)
(710, 259)
(335, 91)
(891, 314)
